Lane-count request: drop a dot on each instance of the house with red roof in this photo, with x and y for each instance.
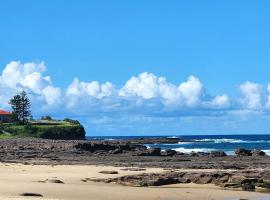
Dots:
(5, 116)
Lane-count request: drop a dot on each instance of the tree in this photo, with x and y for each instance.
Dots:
(20, 105)
(15, 103)
(25, 107)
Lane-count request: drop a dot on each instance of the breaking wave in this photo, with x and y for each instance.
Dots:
(184, 150)
(224, 140)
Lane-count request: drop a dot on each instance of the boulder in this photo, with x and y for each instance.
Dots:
(265, 184)
(154, 152)
(223, 178)
(248, 187)
(30, 194)
(257, 152)
(148, 152)
(55, 181)
(108, 172)
(231, 185)
(217, 154)
(243, 152)
(169, 152)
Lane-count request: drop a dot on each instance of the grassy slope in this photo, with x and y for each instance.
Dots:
(47, 130)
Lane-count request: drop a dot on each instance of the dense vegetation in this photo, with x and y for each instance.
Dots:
(47, 130)
(22, 124)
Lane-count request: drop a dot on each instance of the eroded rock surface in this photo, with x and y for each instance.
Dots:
(122, 153)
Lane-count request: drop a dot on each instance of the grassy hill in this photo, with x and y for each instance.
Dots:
(66, 130)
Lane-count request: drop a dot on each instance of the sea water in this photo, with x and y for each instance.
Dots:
(208, 143)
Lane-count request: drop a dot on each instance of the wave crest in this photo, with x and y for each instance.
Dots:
(226, 140)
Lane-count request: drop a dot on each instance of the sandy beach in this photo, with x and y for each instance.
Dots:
(17, 179)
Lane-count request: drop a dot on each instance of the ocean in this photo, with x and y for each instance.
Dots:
(208, 143)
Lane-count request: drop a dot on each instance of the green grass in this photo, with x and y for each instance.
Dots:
(46, 130)
(6, 136)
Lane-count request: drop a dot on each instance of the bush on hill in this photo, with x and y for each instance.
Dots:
(65, 131)
(71, 121)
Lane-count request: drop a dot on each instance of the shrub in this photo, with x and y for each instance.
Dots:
(47, 117)
(60, 131)
(71, 121)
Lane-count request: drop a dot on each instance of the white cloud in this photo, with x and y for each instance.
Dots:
(149, 86)
(146, 85)
(17, 76)
(52, 95)
(268, 97)
(251, 95)
(221, 101)
(145, 94)
(191, 91)
(92, 89)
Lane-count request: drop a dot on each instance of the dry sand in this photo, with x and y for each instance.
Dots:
(17, 178)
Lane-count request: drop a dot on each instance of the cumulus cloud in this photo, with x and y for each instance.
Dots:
(91, 89)
(191, 90)
(268, 96)
(220, 101)
(148, 86)
(251, 95)
(17, 76)
(145, 94)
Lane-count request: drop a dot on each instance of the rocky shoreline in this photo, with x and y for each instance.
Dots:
(123, 153)
(247, 180)
(247, 170)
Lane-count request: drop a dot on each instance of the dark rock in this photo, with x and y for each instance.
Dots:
(258, 153)
(55, 181)
(199, 178)
(133, 169)
(243, 152)
(28, 194)
(108, 172)
(249, 181)
(154, 152)
(169, 152)
(265, 184)
(140, 153)
(180, 153)
(116, 151)
(223, 178)
(232, 185)
(217, 154)
(148, 152)
(248, 187)
(143, 180)
(198, 154)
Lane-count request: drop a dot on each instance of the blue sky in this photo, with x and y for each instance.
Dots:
(223, 44)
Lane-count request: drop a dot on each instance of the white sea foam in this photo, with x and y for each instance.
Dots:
(172, 137)
(230, 153)
(267, 152)
(225, 140)
(109, 139)
(184, 150)
(184, 143)
(233, 153)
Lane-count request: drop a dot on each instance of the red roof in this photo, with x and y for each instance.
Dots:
(3, 112)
